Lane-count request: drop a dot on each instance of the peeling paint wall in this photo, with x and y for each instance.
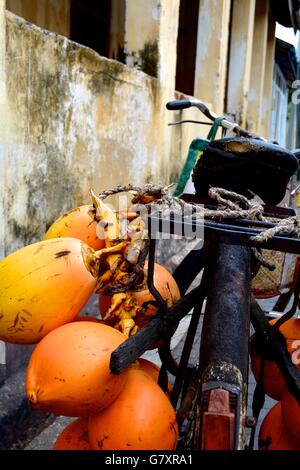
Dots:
(168, 30)
(3, 113)
(239, 66)
(3, 104)
(77, 120)
(258, 65)
(141, 34)
(211, 59)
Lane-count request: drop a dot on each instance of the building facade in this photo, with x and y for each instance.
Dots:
(83, 87)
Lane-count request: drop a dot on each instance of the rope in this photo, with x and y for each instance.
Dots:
(147, 189)
(231, 206)
(263, 261)
(290, 226)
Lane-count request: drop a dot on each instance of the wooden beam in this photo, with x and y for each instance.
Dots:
(268, 81)
(259, 52)
(241, 40)
(211, 56)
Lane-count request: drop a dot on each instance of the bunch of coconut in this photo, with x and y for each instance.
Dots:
(280, 428)
(43, 288)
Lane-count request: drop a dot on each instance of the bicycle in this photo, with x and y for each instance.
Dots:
(212, 413)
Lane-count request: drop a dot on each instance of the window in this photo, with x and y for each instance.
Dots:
(99, 24)
(279, 107)
(186, 46)
(90, 24)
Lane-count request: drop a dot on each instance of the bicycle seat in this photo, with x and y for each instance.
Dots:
(246, 166)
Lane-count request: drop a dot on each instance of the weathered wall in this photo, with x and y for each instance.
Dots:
(141, 37)
(3, 114)
(77, 120)
(211, 58)
(2, 157)
(168, 30)
(239, 64)
(258, 65)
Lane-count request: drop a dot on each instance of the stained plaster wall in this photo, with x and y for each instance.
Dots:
(71, 120)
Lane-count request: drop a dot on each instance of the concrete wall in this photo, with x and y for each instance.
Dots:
(3, 114)
(76, 120)
(239, 64)
(2, 150)
(211, 58)
(232, 68)
(72, 120)
(258, 63)
(141, 37)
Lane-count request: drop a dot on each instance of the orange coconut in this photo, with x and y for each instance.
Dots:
(87, 318)
(68, 373)
(43, 286)
(166, 286)
(151, 369)
(273, 433)
(273, 380)
(291, 414)
(74, 436)
(78, 223)
(141, 418)
(164, 283)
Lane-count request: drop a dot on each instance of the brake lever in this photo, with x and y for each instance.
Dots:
(175, 123)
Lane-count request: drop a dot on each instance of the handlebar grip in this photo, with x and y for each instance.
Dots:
(297, 154)
(178, 104)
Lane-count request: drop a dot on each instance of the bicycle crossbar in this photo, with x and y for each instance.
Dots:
(222, 233)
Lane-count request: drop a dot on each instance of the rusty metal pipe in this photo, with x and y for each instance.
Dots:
(225, 333)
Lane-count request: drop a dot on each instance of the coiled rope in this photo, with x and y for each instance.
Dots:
(231, 205)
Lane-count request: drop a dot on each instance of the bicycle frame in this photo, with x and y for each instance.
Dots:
(224, 350)
(220, 386)
(216, 391)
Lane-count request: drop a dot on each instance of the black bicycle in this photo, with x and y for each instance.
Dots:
(210, 397)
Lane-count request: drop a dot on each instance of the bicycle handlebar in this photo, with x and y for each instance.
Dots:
(226, 124)
(178, 104)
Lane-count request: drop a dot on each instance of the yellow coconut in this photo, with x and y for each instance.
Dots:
(78, 223)
(43, 286)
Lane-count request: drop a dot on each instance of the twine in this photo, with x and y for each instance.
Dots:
(231, 206)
